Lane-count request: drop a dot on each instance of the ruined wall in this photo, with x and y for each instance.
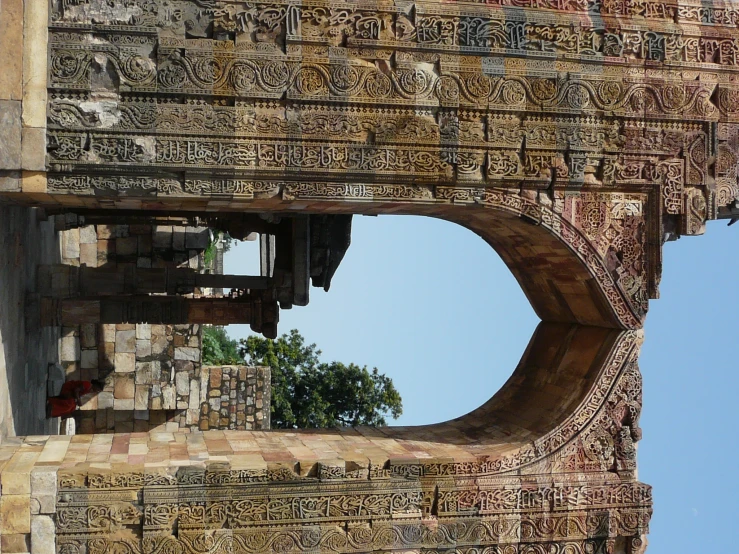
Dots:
(235, 397)
(149, 370)
(153, 373)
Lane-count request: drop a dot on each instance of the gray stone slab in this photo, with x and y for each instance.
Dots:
(10, 134)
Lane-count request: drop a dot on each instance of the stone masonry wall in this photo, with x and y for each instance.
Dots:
(235, 397)
(148, 369)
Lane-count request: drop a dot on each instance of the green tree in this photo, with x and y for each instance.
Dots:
(309, 393)
(219, 349)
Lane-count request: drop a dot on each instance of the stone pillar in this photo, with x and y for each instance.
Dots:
(261, 313)
(66, 281)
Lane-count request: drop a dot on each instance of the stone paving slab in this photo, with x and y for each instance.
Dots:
(25, 348)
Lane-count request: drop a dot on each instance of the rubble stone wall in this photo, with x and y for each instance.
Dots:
(234, 397)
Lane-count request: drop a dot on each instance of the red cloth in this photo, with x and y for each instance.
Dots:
(70, 387)
(61, 407)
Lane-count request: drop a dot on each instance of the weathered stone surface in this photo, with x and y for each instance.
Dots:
(105, 400)
(33, 148)
(89, 359)
(10, 181)
(35, 67)
(10, 130)
(169, 398)
(143, 331)
(124, 387)
(11, 49)
(15, 514)
(125, 342)
(15, 544)
(71, 244)
(187, 353)
(88, 235)
(43, 535)
(43, 481)
(70, 349)
(125, 362)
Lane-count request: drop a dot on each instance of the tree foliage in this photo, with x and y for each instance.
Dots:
(309, 393)
(219, 349)
(306, 392)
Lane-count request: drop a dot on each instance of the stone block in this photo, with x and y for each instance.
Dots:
(187, 353)
(88, 335)
(141, 398)
(125, 387)
(89, 359)
(43, 504)
(88, 235)
(216, 374)
(184, 365)
(10, 181)
(105, 400)
(125, 342)
(108, 332)
(33, 148)
(35, 73)
(71, 244)
(159, 344)
(125, 362)
(43, 481)
(143, 348)
(10, 131)
(182, 381)
(15, 514)
(123, 404)
(70, 348)
(143, 331)
(106, 356)
(169, 397)
(197, 238)
(194, 394)
(16, 482)
(162, 238)
(105, 232)
(147, 373)
(191, 417)
(89, 255)
(43, 535)
(33, 181)
(11, 50)
(15, 544)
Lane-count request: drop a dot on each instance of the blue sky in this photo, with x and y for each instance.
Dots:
(432, 306)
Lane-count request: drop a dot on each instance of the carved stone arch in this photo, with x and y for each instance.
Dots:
(559, 248)
(573, 144)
